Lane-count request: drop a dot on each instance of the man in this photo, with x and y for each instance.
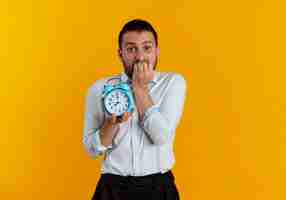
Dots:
(138, 146)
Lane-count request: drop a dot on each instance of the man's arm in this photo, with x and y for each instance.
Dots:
(160, 121)
(99, 131)
(143, 101)
(142, 75)
(93, 120)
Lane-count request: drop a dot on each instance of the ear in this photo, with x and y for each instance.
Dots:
(158, 51)
(119, 53)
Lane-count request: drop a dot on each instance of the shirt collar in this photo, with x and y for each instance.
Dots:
(125, 78)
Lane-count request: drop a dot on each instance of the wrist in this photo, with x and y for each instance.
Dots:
(141, 90)
(109, 127)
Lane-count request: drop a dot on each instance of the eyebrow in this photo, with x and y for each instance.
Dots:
(131, 43)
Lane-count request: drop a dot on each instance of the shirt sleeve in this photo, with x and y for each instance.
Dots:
(160, 121)
(93, 120)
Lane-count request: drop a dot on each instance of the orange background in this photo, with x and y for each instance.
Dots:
(231, 140)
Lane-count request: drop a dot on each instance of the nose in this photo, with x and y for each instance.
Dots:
(140, 55)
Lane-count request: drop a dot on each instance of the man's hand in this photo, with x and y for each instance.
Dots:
(111, 127)
(119, 119)
(143, 73)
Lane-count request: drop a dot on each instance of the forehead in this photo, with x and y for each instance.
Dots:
(137, 38)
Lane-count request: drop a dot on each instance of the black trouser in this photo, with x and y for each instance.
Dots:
(151, 187)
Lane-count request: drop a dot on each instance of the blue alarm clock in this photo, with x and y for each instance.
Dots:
(117, 99)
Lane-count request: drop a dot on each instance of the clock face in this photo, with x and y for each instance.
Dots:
(116, 102)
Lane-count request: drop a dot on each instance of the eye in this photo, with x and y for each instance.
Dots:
(147, 48)
(131, 49)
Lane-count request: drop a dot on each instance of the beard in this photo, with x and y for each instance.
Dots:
(129, 68)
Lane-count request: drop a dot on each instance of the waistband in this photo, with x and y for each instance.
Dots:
(152, 179)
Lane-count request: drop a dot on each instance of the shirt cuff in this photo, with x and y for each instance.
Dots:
(96, 141)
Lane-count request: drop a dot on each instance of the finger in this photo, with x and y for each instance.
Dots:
(140, 67)
(135, 68)
(135, 71)
(129, 114)
(125, 116)
(150, 66)
(145, 67)
(113, 118)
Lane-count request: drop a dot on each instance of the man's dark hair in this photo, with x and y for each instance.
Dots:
(137, 25)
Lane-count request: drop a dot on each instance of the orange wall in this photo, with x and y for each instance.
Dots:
(231, 141)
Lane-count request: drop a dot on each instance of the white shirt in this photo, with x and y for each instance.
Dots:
(139, 148)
